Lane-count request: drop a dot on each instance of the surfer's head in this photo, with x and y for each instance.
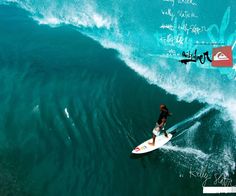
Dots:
(163, 107)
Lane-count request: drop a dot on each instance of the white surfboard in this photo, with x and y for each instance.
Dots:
(145, 147)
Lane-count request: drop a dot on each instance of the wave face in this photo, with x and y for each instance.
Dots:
(146, 33)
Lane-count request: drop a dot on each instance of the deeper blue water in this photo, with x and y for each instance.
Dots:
(76, 99)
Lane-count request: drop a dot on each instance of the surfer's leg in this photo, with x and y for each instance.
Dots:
(153, 140)
(156, 132)
(165, 133)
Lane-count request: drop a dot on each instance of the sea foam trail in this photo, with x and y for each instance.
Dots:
(194, 118)
(188, 156)
(186, 150)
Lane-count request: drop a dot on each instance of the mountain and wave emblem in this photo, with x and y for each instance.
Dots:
(220, 56)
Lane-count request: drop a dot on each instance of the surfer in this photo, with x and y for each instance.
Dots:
(160, 123)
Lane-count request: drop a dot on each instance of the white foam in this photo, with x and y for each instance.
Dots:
(49, 20)
(80, 14)
(188, 155)
(186, 150)
(67, 113)
(36, 108)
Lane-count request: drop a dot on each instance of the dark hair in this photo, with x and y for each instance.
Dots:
(163, 106)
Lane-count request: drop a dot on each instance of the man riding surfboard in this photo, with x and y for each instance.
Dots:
(160, 123)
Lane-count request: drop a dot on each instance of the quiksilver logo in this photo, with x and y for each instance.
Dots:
(222, 56)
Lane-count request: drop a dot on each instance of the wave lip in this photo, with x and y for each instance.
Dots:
(77, 14)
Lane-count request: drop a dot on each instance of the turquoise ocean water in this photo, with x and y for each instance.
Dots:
(81, 84)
